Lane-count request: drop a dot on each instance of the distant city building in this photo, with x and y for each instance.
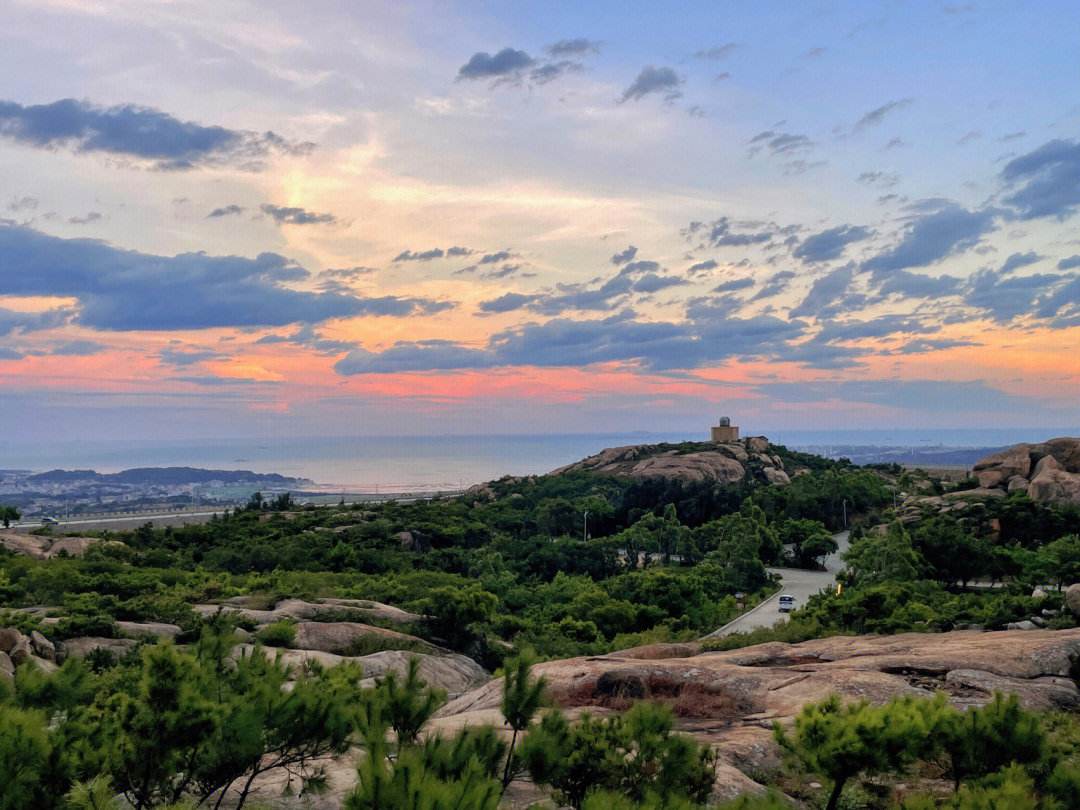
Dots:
(725, 431)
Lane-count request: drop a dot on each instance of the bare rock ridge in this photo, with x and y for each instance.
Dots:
(730, 699)
(1049, 471)
(43, 548)
(722, 462)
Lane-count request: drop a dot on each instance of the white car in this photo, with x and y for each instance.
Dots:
(787, 603)
(49, 520)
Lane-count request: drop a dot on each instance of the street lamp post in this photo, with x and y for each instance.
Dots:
(585, 530)
(845, 512)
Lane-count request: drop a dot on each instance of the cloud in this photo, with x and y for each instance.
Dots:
(226, 211)
(438, 253)
(1004, 298)
(182, 358)
(551, 71)
(506, 64)
(287, 215)
(775, 285)
(717, 52)
(878, 179)
(91, 217)
(877, 115)
(128, 290)
(1045, 182)
(348, 273)
(1018, 260)
(495, 258)
(734, 284)
(702, 267)
(1069, 263)
(508, 303)
(654, 282)
(579, 46)
(916, 285)
(924, 346)
(944, 230)
(718, 233)
(654, 80)
(427, 355)
(624, 256)
(140, 133)
(779, 143)
(830, 244)
(420, 256)
(933, 396)
(503, 272)
(13, 320)
(826, 294)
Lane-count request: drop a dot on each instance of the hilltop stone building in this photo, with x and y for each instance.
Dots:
(725, 431)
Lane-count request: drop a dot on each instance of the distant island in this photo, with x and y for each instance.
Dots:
(84, 491)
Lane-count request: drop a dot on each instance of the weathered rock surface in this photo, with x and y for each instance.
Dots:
(148, 629)
(1048, 471)
(358, 609)
(454, 673)
(730, 699)
(1072, 598)
(9, 637)
(83, 646)
(42, 547)
(342, 637)
(7, 668)
(724, 463)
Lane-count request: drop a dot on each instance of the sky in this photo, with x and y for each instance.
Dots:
(228, 218)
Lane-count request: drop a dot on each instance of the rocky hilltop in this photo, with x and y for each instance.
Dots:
(723, 462)
(1049, 471)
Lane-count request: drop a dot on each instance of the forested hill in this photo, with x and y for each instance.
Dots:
(164, 476)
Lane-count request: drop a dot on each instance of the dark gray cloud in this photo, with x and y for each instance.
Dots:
(578, 46)
(775, 285)
(916, 285)
(78, 348)
(226, 211)
(290, 215)
(1045, 182)
(348, 273)
(877, 115)
(128, 290)
(1004, 298)
(830, 244)
(934, 396)
(717, 52)
(505, 271)
(942, 231)
(508, 302)
(878, 179)
(654, 282)
(183, 357)
(140, 133)
(420, 256)
(662, 81)
(495, 258)
(1069, 263)
(551, 71)
(427, 355)
(779, 143)
(1018, 260)
(624, 256)
(88, 219)
(734, 284)
(924, 346)
(309, 337)
(719, 233)
(457, 250)
(506, 64)
(827, 294)
(14, 321)
(702, 267)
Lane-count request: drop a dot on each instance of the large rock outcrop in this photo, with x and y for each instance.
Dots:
(1049, 471)
(43, 547)
(731, 699)
(724, 463)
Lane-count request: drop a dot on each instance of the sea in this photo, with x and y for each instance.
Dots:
(426, 463)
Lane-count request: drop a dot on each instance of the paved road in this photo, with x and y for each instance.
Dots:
(796, 582)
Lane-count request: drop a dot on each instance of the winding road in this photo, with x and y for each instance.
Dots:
(797, 582)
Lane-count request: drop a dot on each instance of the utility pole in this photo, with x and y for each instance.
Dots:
(845, 512)
(585, 531)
